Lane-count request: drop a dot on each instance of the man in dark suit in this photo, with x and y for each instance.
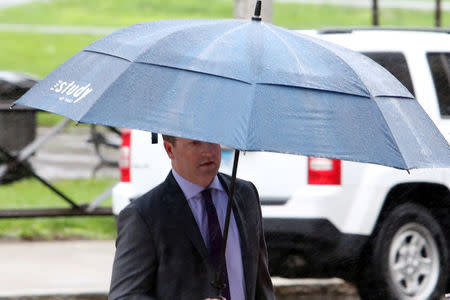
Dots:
(167, 247)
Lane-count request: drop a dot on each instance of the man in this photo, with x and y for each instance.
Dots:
(166, 247)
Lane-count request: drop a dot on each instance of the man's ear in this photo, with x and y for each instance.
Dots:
(169, 149)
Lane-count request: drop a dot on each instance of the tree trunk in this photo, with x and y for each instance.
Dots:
(244, 9)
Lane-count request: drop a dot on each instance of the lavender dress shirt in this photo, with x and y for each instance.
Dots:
(233, 256)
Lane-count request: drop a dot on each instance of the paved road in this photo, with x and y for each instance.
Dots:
(49, 269)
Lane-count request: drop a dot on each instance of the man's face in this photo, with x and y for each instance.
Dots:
(195, 161)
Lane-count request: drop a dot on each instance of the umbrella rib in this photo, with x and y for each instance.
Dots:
(107, 54)
(169, 67)
(316, 89)
(318, 44)
(292, 51)
(194, 71)
(96, 102)
(208, 49)
(287, 46)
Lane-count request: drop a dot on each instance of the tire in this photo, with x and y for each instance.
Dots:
(408, 257)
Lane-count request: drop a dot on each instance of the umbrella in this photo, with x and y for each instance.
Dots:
(247, 85)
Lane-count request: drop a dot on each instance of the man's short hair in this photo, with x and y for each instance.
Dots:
(169, 138)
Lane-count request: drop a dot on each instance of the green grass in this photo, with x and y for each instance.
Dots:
(32, 194)
(122, 13)
(39, 54)
(48, 119)
(114, 12)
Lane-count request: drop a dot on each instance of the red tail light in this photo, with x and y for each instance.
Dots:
(324, 171)
(124, 158)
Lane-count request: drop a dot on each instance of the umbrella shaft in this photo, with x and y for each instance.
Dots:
(218, 282)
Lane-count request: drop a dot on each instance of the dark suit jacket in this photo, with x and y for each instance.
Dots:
(160, 253)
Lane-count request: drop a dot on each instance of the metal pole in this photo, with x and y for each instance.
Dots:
(375, 13)
(438, 13)
(218, 281)
(14, 160)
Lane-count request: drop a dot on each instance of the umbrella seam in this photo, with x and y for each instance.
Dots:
(340, 58)
(398, 97)
(170, 67)
(96, 102)
(193, 71)
(390, 131)
(222, 35)
(107, 54)
(317, 89)
(299, 67)
(252, 109)
(196, 25)
(125, 30)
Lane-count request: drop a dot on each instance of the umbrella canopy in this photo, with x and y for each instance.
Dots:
(247, 85)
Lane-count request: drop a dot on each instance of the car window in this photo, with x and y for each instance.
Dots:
(395, 63)
(440, 70)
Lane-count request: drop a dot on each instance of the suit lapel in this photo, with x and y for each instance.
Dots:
(185, 218)
(243, 234)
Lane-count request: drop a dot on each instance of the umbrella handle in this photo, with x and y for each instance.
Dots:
(218, 282)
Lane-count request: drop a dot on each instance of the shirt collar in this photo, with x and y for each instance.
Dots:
(191, 189)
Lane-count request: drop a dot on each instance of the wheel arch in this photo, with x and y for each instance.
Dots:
(433, 196)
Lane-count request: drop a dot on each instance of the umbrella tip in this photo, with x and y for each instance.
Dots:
(257, 16)
(12, 105)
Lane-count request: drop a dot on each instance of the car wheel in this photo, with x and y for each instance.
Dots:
(408, 258)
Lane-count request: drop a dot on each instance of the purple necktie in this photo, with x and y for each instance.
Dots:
(215, 239)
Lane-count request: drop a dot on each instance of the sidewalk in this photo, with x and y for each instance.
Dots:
(55, 268)
(82, 270)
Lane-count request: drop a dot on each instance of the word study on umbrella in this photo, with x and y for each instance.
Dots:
(71, 92)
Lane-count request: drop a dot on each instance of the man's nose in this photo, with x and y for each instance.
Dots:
(208, 148)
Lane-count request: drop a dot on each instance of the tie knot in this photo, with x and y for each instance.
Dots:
(206, 193)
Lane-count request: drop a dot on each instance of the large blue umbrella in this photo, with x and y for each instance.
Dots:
(248, 85)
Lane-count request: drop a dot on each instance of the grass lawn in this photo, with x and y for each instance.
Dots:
(39, 54)
(122, 13)
(113, 12)
(30, 193)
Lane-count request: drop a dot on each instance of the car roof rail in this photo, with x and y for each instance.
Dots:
(337, 30)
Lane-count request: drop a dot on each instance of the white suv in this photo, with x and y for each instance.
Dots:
(387, 230)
